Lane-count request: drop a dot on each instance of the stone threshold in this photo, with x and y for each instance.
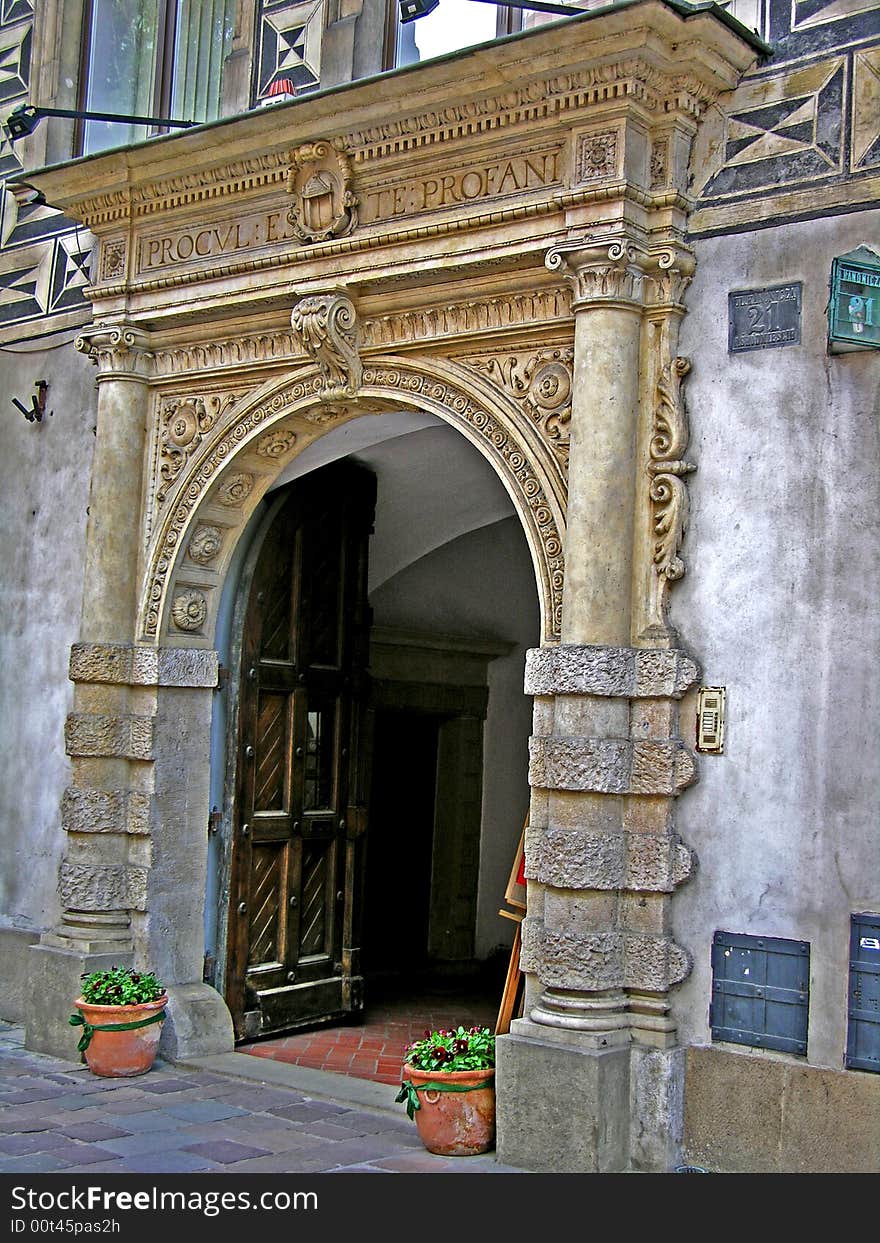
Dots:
(320, 1084)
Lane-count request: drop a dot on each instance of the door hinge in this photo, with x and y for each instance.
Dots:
(214, 818)
(222, 678)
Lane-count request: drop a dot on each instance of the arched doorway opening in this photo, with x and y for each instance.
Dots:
(453, 602)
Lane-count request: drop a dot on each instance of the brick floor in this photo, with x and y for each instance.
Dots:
(374, 1047)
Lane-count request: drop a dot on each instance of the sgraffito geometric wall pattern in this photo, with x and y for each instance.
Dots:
(288, 45)
(43, 256)
(801, 134)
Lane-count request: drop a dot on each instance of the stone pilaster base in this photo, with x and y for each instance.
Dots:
(561, 1108)
(657, 1108)
(569, 1106)
(55, 984)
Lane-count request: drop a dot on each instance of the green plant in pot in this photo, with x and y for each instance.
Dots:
(449, 1088)
(121, 1012)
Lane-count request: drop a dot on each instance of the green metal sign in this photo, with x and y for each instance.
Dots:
(854, 308)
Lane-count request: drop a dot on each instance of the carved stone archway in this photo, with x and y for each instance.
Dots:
(243, 446)
(517, 266)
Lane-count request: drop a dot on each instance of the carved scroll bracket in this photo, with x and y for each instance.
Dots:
(608, 270)
(119, 351)
(667, 468)
(326, 325)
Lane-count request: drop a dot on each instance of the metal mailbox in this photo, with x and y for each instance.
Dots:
(863, 1019)
(760, 991)
(854, 306)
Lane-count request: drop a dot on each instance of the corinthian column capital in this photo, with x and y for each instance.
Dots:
(119, 351)
(603, 271)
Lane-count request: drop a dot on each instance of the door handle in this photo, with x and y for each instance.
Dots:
(293, 900)
(249, 752)
(242, 908)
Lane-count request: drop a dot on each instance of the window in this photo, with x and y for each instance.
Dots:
(159, 58)
(454, 24)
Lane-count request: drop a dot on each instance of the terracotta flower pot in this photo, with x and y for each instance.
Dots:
(458, 1123)
(118, 1054)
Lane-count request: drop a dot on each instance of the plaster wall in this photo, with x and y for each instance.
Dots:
(44, 494)
(779, 606)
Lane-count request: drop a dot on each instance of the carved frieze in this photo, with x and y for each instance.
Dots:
(326, 325)
(477, 315)
(325, 205)
(542, 384)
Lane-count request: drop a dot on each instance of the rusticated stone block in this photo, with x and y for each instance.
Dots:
(97, 887)
(126, 665)
(580, 764)
(624, 672)
(661, 767)
(654, 964)
(610, 765)
(105, 811)
(124, 737)
(575, 859)
(656, 862)
(569, 960)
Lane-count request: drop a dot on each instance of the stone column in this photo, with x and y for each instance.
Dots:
(112, 813)
(601, 854)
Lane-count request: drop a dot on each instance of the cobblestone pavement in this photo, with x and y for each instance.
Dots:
(56, 1116)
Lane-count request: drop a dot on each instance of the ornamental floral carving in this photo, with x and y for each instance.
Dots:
(326, 324)
(189, 610)
(542, 383)
(205, 544)
(596, 157)
(183, 425)
(325, 206)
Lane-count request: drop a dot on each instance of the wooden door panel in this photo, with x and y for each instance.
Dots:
(272, 752)
(295, 888)
(266, 904)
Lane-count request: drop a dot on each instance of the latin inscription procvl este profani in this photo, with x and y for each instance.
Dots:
(500, 178)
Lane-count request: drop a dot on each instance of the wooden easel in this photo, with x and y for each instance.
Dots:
(515, 896)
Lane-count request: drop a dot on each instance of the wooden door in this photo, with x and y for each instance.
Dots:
(300, 808)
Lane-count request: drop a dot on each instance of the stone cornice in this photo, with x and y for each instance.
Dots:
(646, 54)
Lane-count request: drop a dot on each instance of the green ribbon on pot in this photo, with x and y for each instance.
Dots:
(89, 1029)
(410, 1093)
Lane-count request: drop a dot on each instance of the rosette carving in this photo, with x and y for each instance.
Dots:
(205, 544)
(326, 324)
(189, 610)
(236, 489)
